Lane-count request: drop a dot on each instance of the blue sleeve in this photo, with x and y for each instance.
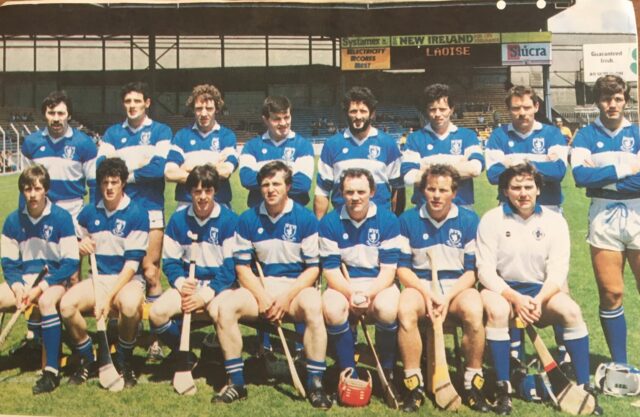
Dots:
(471, 230)
(137, 240)
(249, 175)
(329, 257)
(243, 250)
(389, 252)
(410, 146)
(553, 170)
(404, 259)
(155, 168)
(592, 177)
(172, 264)
(174, 155)
(226, 276)
(394, 158)
(301, 183)
(472, 141)
(630, 184)
(11, 267)
(230, 141)
(325, 162)
(68, 250)
(495, 170)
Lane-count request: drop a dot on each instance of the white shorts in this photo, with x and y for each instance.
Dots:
(445, 285)
(276, 286)
(156, 219)
(614, 224)
(105, 283)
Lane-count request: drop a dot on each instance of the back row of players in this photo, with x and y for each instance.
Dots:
(361, 232)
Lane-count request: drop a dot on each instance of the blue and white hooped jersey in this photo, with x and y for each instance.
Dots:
(535, 147)
(70, 161)
(378, 153)
(612, 154)
(145, 151)
(192, 146)
(426, 146)
(121, 236)
(363, 246)
(295, 151)
(285, 246)
(214, 255)
(29, 244)
(452, 241)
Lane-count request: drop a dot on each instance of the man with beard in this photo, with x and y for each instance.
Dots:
(360, 145)
(206, 142)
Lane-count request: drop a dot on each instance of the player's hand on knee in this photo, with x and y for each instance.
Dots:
(275, 313)
(359, 303)
(264, 304)
(192, 303)
(524, 307)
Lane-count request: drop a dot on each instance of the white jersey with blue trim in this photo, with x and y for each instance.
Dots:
(363, 246)
(145, 151)
(512, 249)
(196, 148)
(121, 236)
(285, 245)
(452, 240)
(28, 244)
(215, 242)
(425, 146)
(602, 160)
(294, 150)
(377, 153)
(537, 147)
(70, 161)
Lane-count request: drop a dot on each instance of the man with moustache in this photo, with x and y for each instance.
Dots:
(206, 142)
(360, 145)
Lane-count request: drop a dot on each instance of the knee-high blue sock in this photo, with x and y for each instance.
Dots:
(124, 351)
(498, 341)
(576, 340)
(235, 370)
(85, 350)
(314, 368)
(35, 326)
(516, 342)
(300, 328)
(265, 338)
(168, 333)
(386, 343)
(51, 336)
(341, 337)
(558, 332)
(614, 326)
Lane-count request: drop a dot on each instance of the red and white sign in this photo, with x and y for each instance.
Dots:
(526, 54)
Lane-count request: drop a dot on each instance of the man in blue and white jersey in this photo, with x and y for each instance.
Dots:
(523, 253)
(527, 140)
(143, 144)
(442, 142)
(206, 142)
(448, 232)
(214, 227)
(283, 237)
(365, 237)
(360, 145)
(281, 143)
(40, 234)
(605, 161)
(116, 229)
(68, 154)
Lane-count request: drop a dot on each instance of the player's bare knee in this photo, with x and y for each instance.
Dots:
(68, 308)
(159, 314)
(497, 313)
(385, 312)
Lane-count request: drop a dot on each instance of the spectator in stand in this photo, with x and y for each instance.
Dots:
(566, 132)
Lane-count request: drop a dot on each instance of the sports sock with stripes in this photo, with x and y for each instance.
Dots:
(386, 343)
(51, 336)
(576, 340)
(342, 338)
(315, 368)
(498, 341)
(614, 326)
(235, 370)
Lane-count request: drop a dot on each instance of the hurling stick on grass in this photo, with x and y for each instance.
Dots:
(107, 374)
(23, 307)
(444, 392)
(570, 397)
(389, 397)
(183, 379)
(292, 367)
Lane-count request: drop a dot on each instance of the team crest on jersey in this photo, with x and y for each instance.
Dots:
(538, 145)
(213, 235)
(288, 154)
(145, 138)
(215, 145)
(455, 238)
(538, 234)
(373, 237)
(289, 232)
(69, 151)
(47, 231)
(627, 143)
(118, 229)
(374, 152)
(456, 146)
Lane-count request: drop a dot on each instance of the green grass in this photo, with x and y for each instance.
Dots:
(153, 396)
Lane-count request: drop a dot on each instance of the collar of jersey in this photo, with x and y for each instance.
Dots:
(373, 210)
(124, 203)
(536, 126)
(67, 134)
(625, 123)
(147, 122)
(267, 136)
(45, 212)
(508, 210)
(214, 213)
(424, 213)
(287, 209)
(215, 128)
(451, 128)
(372, 132)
